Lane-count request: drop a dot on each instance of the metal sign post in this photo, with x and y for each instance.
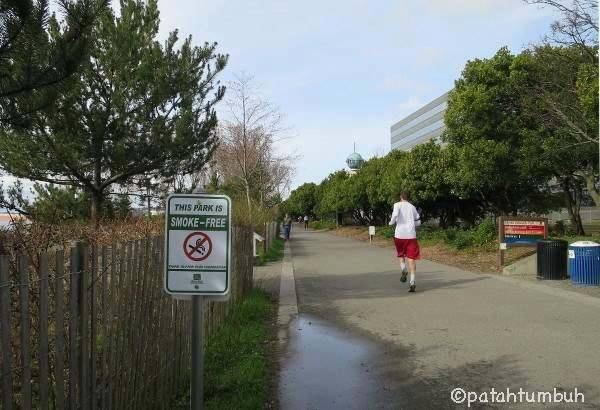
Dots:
(197, 384)
(197, 264)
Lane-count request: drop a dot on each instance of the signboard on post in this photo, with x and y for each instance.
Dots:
(371, 233)
(198, 245)
(520, 231)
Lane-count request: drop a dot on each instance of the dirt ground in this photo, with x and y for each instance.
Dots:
(480, 260)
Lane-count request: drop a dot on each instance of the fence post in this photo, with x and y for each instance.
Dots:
(84, 280)
(73, 333)
(59, 331)
(5, 345)
(23, 266)
(92, 276)
(88, 353)
(43, 332)
(104, 326)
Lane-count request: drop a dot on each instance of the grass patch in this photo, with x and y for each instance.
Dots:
(236, 366)
(273, 254)
(325, 224)
(482, 236)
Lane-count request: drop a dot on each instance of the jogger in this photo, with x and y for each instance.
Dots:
(406, 218)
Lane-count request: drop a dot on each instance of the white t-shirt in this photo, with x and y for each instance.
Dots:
(406, 218)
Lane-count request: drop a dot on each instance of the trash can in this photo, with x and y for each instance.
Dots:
(552, 259)
(584, 263)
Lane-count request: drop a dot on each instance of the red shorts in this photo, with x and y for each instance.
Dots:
(407, 248)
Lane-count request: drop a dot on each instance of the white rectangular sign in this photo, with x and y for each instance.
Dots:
(198, 244)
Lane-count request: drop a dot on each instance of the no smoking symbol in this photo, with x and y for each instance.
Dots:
(197, 246)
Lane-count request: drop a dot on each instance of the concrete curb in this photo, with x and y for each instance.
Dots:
(288, 303)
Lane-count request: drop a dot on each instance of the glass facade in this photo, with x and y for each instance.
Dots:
(423, 125)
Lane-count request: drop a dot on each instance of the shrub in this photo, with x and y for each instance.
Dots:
(485, 233)
(385, 231)
(482, 235)
(324, 224)
(432, 234)
(274, 253)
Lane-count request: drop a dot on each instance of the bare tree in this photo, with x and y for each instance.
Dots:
(246, 159)
(567, 88)
(578, 24)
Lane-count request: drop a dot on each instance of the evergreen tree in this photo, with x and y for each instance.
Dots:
(37, 53)
(137, 108)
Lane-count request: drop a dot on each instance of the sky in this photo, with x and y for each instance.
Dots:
(343, 71)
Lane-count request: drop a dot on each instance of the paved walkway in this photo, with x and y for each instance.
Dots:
(362, 341)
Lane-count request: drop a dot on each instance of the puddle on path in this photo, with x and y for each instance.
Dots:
(325, 368)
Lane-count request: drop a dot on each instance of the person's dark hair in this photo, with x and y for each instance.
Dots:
(404, 195)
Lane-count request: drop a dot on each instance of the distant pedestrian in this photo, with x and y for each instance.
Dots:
(305, 222)
(287, 227)
(406, 218)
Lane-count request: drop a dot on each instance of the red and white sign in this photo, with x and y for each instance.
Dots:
(524, 228)
(197, 246)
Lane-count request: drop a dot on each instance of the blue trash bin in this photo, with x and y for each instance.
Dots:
(584, 263)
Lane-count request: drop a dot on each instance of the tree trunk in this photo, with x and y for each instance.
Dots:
(249, 203)
(590, 183)
(97, 188)
(577, 209)
(573, 202)
(95, 208)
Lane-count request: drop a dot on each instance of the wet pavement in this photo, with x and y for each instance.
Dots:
(361, 341)
(328, 368)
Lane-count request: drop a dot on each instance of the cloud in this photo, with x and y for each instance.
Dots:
(347, 70)
(430, 55)
(473, 7)
(407, 107)
(396, 83)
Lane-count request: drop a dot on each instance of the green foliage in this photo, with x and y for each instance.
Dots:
(334, 194)
(302, 201)
(54, 204)
(485, 119)
(322, 224)
(273, 254)
(236, 366)
(518, 127)
(482, 235)
(137, 107)
(485, 233)
(38, 53)
(386, 231)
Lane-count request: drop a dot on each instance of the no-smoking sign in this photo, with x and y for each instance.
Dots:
(198, 244)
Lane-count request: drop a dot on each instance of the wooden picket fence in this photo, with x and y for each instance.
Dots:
(271, 233)
(91, 327)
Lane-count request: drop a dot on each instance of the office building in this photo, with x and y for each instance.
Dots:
(425, 124)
